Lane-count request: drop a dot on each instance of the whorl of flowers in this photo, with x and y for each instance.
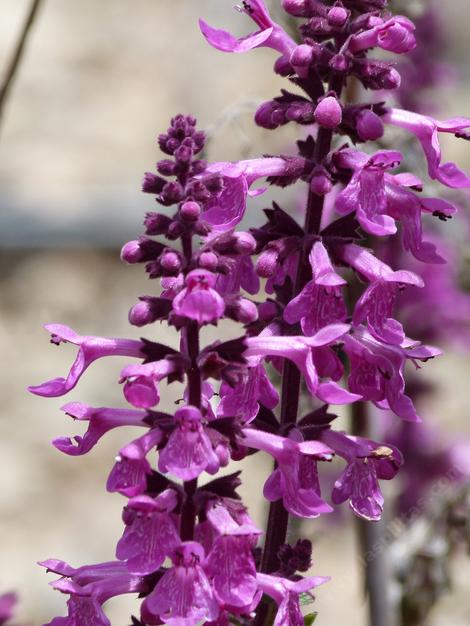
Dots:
(325, 316)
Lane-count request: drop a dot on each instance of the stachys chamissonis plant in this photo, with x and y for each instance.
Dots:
(323, 316)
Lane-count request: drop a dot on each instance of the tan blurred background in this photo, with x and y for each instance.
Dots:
(99, 81)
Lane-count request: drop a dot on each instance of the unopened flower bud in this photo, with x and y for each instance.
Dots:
(328, 112)
(339, 63)
(149, 310)
(320, 183)
(166, 167)
(283, 67)
(242, 310)
(267, 263)
(170, 262)
(190, 211)
(264, 115)
(369, 126)
(208, 261)
(175, 230)
(301, 58)
(295, 7)
(184, 154)
(156, 223)
(131, 252)
(152, 183)
(337, 16)
(267, 311)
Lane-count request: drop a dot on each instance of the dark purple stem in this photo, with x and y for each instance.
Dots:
(188, 514)
(278, 518)
(371, 536)
(17, 54)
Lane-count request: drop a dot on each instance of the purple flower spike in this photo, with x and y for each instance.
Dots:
(375, 306)
(286, 594)
(90, 349)
(101, 420)
(365, 194)
(427, 130)
(270, 34)
(225, 209)
(395, 35)
(199, 300)
(188, 451)
(150, 535)
(183, 596)
(320, 302)
(129, 474)
(295, 479)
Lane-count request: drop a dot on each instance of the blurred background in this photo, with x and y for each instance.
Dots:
(100, 79)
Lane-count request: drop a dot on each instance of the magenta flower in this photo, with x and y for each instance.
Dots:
(199, 300)
(226, 208)
(375, 306)
(270, 34)
(89, 588)
(295, 478)
(230, 564)
(308, 355)
(100, 421)
(427, 130)
(90, 349)
(395, 35)
(404, 205)
(189, 450)
(244, 399)
(367, 461)
(150, 534)
(286, 594)
(320, 303)
(365, 193)
(129, 474)
(183, 595)
(141, 381)
(377, 371)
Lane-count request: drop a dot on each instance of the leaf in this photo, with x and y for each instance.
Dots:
(310, 618)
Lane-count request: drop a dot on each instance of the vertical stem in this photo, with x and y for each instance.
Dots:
(188, 514)
(17, 54)
(371, 535)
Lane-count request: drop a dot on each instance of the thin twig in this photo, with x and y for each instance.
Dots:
(17, 55)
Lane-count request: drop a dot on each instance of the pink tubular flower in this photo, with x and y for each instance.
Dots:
(226, 208)
(286, 594)
(365, 193)
(183, 595)
(89, 588)
(90, 349)
(141, 381)
(199, 300)
(367, 461)
(100, 421)
(244, 399)
(295, 479)
(375, 306)
(270, 34)
(394, 35)
(320, 302)
(377, 371)
(230, 564)
(427, 130)
(129, 474)
(309, 355)
(150, 534)
(189, 450)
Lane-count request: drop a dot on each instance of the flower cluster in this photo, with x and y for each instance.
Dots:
(324, 318)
